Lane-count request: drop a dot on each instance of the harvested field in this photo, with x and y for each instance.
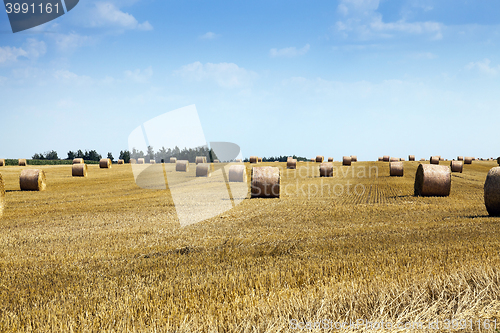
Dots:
(357, 245)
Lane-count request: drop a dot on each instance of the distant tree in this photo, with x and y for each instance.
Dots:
(91, 156)
(125, 156)
(38, 157)
(71, 155)
(136, 153)
(80, 154)
(151, 153)
(110, 156)
(51, 155)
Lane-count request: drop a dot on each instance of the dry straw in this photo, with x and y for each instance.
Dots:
(237, 173)
(265, 182)
(201, 159)
(468, 160)
(32, 180)
(411, 158)
(326, 170)
(173, 160)
(2, 196)
(432, 180)
(330, 159)
(105, 163)
(396, 169)
(140, 161)
(121, 161)
(319, 159)
(2, 162)
(22, 162)
(492, 192)
(254, 159)
(434, 160)
(386, 158)
(79, 170)
(78, 161)
(457, 166)
(354, 158)
(291, 163)
(203, 170)
(182, 165)
(346, 160)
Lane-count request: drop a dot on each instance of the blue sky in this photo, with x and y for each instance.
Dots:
(334, 78)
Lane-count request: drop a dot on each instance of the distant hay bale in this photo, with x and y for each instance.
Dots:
(2, 162)
(237, 173)
(498, 161)
(434, 160)
(473, 158)
(2, 196)
(492, 192)
(254, 159)
(201, 159)
(354, 158)
(401, 159)
(346, 160)
(79, 170)
(313, 159)
(173, 160)
(182, 165)
(441, 158)
(422, 160)
(105, 163)
(260, 160)
(203, 170)
(467, 160)
(121, 161)
(265, 182)
(319, 159)
(22, 162)
(78, 161)
(239, 160)
(32, 180)
(140, 161)
(330, 159)
(456, 166)
(460, 158)
(291, 164)
(411, 158)
(326, 170)
(133, 161)
(386, 158)
(380, 159)
(432, 180)
(216, 161)
(152, 161)
(394, 159)
(396, 169)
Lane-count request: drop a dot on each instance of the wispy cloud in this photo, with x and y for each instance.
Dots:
(226, 75)
(107, 14)
(289, 51)
(209, 35)
(66, 77)
(71, 41)
(31, 49)
(484, 67)
(139, 76)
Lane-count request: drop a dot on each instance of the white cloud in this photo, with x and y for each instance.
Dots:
(35, 48)
(107, 14)
(484, 67)
(226, 75)
(72, 78)
(32, 49)
(71, 41)
(289, 51)
(139, 76)
(10, 54)
(209, 35)
(425, 55)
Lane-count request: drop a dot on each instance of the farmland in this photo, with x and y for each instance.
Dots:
(102, 254)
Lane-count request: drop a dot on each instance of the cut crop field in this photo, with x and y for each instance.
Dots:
(101, 254)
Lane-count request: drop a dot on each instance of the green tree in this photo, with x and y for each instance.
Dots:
(71, 155)
(110, 156)
(125, 156)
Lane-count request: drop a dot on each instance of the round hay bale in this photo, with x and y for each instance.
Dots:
(492, 192)
(394, 159)
(441, 158)
(105, 163)
(203, 170)
(141, 161)
(254, 159)
(401, 159)
(291, 164)
(460, 158)
(434, 160)
(121, 161)
(411, 158)
(346, 160)
(265, 182)
(330, 159)
(173, 160)
(467, 160)
(456, 166)
(216, 161)
(237, 173)
(22, 162)
(79, 170)
(182, 165)
(260, 160)
(354, 158)
(432, 180)
(396, 169)
(78, 161)
(319, 159)
(313, 159)
(239, 160)
(473, 158)
(422, 160)
(326, 170)
(152, 161)
(498, 161)
(32, 180)
(2, 162)
(386, 158)
(380, 159)
(133, 161)
(2, 195)
(201, 159)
